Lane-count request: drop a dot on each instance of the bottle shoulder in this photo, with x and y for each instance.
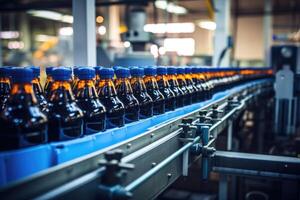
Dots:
(91, 105)
(21, 115)
(64, 110)
(128, 99)
(112, 103)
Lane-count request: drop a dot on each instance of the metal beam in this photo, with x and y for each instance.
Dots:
(256, 165)
(267, 31)
(84, 32)
(222, 32)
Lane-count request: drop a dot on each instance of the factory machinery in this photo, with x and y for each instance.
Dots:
(145, 165)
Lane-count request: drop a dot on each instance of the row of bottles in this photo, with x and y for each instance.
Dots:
(90, 100)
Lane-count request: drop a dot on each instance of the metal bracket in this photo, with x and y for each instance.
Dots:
(231, 104)
(186, 137)
(110, 187)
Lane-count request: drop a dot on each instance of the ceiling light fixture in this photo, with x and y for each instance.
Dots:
(66, 31)
(99, 19)
(44, 38)
(182, 46)
(46, 14)
(187, 27)
(170, 7)
(102, 30)
(9, 34)
(209, 25)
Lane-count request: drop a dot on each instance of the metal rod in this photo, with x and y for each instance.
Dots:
(185, 163)
(229, 135)
(154, 170)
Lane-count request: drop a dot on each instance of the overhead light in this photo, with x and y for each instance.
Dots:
(44, 38)
(161, 4)
(162, 50)
(66, 31)
(170, 7)
(182, 46)
(15, 45)
(209, 25)
(154, 50)
(9, 34)
(187, 27)
(46, 14)
(126, 44)
(102, 30)
(99, 19)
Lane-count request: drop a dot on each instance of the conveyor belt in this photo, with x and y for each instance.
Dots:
(145, 150)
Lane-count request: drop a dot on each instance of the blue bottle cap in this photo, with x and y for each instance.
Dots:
(194, 70)
(180, 70)
(122, 72)
(21, 75)
(206, 69)
(61, 73)
(5, 72)
(49, 70)
(106, 73)
(97, 68)
(150, 71)
(199, 70)
(161, 70)
(137, 72)
(36, 71)
(75, 71)
(117, 67)
(188, 70)
(85, 73)
(171, 70)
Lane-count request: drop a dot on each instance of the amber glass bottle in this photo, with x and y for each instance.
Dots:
(165, 89)
(183, 86)
(190, 84)
(22, 123)
(65, 116)
(115, 110)
(140, 92)
(125, 94)
(38, 91)
(87, 99)
(153, 90)
(175, 86)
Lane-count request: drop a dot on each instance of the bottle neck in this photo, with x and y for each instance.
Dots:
(106, 88)
(61, 91)
(4, 80)
(172, 77)
(180, 76)
(85, 89)
(22, 93)
(37, 86)
(172, 80)
(150, 82)
(4, 85)
(138, 84)
(123, 86)
(49, 79)
(162, 81)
